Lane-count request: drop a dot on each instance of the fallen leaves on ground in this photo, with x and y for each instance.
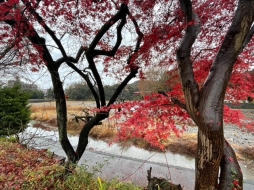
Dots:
(19, 164)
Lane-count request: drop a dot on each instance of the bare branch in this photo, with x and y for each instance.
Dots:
(6, 50)
(118, 42)
(201, 52)
(121, 87)
(90, 53)
(139, 33)
(72, 59)
(174, 100)
(134, 70)
(87, 79)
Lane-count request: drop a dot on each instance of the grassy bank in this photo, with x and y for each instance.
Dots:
(185, 145)
(21, 168)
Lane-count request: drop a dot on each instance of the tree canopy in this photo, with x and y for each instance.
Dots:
(209, 42)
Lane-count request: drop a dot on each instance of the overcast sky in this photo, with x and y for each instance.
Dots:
(42, 77)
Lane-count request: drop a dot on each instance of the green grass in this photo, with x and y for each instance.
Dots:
(79, 180)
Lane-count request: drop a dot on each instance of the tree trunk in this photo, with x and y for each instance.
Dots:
(206, 106)
(209, 155)
(61, 114)
(83, 137)
(231, 175)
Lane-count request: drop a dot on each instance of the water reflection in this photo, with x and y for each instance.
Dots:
(42, 139)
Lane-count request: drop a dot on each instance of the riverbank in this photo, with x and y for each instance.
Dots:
(240, 139)
(127, 165)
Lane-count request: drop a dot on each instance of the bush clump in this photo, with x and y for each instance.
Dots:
(14, 110)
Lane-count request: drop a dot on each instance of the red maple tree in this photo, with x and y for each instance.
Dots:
(209, 42)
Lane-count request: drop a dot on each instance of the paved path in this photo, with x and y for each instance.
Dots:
(131, 165)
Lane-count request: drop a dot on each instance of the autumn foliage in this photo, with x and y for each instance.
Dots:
(162, 24)
(156, 118)
(209, 42)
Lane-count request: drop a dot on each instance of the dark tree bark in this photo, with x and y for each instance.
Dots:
(231, 174)
(205, 106)
(90, 52)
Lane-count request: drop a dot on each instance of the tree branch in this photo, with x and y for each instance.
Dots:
(139, 33)
(36, 40)
(118, 42)
(214, 89)
(6, 50)
(72, 59)
(121, 14)
(190, 86)
(47, 29)
(119, 89)
(174, 100)
(209, 49)
(87, 79)
(186, 6)
(134, 70)
(248, 37)
(83, 137)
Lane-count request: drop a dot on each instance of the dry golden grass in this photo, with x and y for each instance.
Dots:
(247, 152)
(43, 113)
(46, 112)
(185, 144)
(105, 131)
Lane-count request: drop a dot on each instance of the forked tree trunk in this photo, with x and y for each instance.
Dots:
(205, 105)
(53, 68)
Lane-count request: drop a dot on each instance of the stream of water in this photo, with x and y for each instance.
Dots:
(128, 164)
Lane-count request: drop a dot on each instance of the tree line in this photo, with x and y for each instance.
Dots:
(31, 89)
(81, 91)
